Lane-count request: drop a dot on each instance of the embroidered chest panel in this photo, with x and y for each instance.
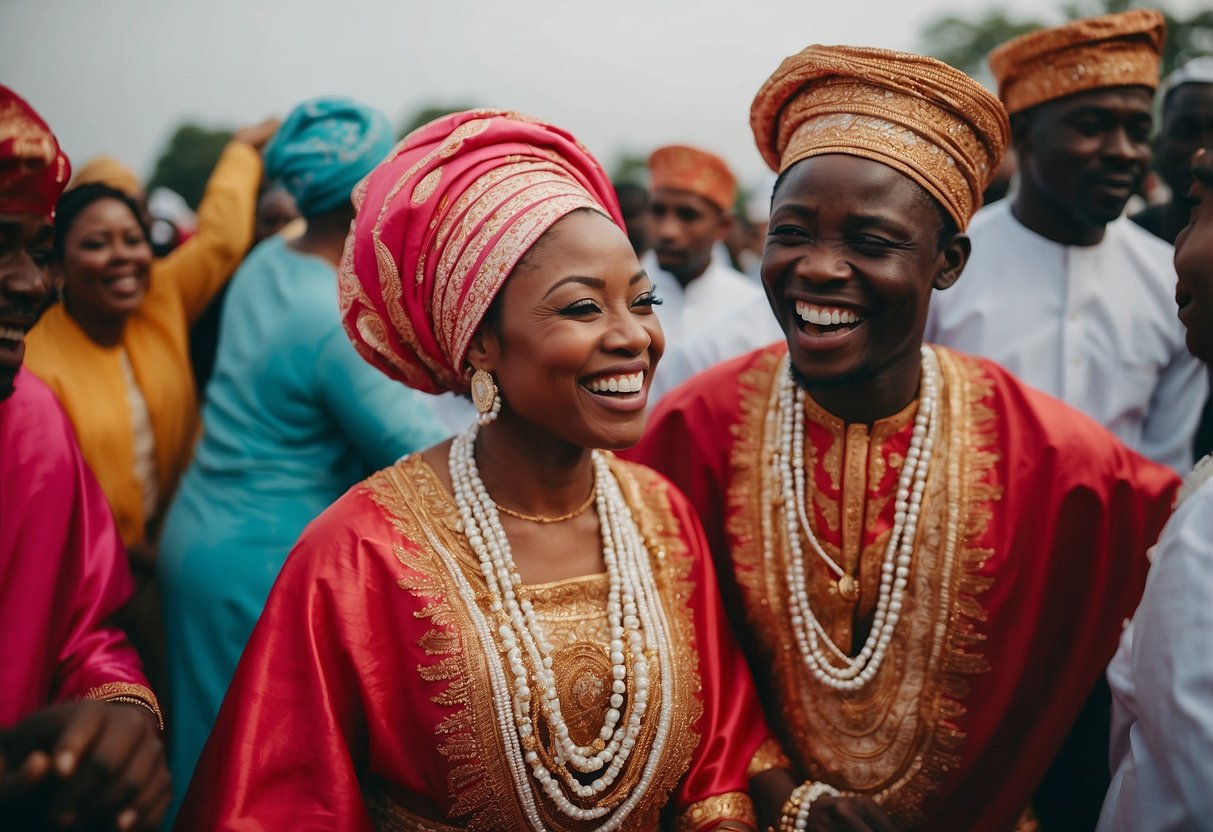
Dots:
(896, 737)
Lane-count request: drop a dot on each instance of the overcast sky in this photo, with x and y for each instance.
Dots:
(117, 76)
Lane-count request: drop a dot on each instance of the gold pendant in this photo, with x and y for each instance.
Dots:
(848, 588)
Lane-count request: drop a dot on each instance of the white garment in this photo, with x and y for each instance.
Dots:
(687, 313)
(144, 439)
(720, 314)
(1162, 686)
(1094, 326)
(742, 329)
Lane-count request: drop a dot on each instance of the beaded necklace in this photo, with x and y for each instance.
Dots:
(824, 659)
(638, 629)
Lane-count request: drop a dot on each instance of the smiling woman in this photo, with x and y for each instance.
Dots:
(557, 651)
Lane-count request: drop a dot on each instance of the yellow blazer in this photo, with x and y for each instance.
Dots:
(87, 377)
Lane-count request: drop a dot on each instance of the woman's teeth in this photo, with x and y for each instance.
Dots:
(617, 384)
(825, 315)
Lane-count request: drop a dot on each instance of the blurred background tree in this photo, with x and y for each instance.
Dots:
(187, 161)
(964, 39)
(630, 167)
(428, 113)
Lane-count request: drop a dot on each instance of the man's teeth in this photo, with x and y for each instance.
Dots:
(825, 315)
(617, 384)
(11, 333)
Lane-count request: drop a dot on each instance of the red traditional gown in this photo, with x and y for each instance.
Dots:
(1030, 554)
(63, 571)
(363, 699)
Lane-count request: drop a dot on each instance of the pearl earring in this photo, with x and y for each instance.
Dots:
(485, 396)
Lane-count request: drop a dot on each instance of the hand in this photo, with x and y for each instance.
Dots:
(849, 814)
(89, 763)
(258, 134)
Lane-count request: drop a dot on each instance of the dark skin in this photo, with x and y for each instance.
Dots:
(1081, 158)
(275, 210)
(83, 765)
(851, 234)
(325, 235)
(577, 308)
(25, 246)
(683, 227)
(1194, 262)
(107, 260)
(1187, 125)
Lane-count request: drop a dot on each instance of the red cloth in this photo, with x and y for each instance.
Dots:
(362, 698)
(441, 223)
(1061, 515)
(33, 170)
(63, 571)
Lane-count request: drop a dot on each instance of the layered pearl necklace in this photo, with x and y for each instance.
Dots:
(638, 629)
(824, 659)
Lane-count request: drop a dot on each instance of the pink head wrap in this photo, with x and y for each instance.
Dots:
(441, 223)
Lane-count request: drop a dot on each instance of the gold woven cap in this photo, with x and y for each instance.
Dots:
(1116, 50)
(683, 168)
(919, 116)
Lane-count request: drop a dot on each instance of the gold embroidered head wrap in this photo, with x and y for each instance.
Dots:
(696, 171)
(1116, 50)
(917, 115)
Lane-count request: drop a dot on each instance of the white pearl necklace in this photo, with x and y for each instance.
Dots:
(788, 471)
(637, 627)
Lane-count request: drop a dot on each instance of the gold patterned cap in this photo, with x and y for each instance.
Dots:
(919, 116)
(1115, 50)
(106, 170)
(696, 171)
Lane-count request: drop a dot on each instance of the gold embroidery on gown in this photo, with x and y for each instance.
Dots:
(895, 738)
(481, 792)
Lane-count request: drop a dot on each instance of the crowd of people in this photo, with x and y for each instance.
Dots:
(445, 484)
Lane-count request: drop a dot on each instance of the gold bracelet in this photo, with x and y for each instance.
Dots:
(129, 693)
(134, 700)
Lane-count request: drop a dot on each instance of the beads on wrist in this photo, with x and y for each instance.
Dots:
(795, 814)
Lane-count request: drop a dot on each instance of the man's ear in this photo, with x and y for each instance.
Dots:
(954, 255)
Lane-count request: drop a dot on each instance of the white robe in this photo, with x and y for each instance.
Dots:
(719, 315)
(1162, 686)
(1094, 326)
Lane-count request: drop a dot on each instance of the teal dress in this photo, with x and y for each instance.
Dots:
(293, 417)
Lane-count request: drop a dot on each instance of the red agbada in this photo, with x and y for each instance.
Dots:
(63, 571)
(1031, 552)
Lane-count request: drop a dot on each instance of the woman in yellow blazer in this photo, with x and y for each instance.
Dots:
(114, 349)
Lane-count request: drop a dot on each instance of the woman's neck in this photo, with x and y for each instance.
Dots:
(325, 237)
(103, 330)
(532, 472)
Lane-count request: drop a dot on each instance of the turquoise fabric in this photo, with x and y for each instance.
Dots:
(293, 417)
(323, 148)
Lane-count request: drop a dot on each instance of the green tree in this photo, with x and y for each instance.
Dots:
(187, 161)
(964, 40)
(428, 113)
(630, 167)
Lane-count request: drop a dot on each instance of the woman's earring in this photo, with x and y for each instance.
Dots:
(485, 397)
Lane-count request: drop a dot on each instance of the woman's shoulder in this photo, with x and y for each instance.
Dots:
(388, 508)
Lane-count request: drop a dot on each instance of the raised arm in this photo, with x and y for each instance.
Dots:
(200, 267)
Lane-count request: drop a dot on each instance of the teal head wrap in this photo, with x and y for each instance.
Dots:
(322, 150)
